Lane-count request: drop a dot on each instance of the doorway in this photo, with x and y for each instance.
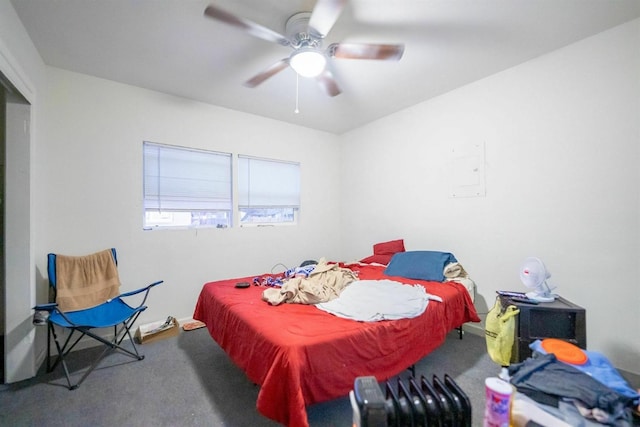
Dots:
(16, 335)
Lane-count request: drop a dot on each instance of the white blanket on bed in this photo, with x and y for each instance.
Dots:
(374, 300)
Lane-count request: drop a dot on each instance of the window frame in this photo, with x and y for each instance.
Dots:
(223, 196)
(241, 205)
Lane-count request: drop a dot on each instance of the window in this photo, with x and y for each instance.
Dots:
(268, 191)
(186, 187)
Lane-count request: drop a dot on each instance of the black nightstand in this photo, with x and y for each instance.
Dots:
(558, 319)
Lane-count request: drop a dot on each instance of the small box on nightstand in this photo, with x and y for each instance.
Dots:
(558, 319)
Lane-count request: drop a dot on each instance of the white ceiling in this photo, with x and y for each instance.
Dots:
(170, 46)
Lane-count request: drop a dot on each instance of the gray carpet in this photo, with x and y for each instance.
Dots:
(189, 381)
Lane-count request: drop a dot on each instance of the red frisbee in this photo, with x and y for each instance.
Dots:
(565, 351)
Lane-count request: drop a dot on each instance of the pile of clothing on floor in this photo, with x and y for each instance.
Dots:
(580, 388)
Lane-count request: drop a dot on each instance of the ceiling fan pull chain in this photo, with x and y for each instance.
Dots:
(296, 111)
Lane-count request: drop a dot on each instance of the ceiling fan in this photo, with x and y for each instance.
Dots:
(304, 32)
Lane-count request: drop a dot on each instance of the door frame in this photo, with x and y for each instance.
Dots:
(19, 261)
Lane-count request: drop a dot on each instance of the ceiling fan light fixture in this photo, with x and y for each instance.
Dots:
(308, 62)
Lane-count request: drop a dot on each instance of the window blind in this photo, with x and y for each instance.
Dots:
(181, 179)
(266, 183)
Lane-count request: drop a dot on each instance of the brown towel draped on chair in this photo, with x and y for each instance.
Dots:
(86, 281)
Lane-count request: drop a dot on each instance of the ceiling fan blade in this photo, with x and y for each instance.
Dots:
(269, 72)
(324, 15)
(252, 28)
(391, 52)
(328, 83)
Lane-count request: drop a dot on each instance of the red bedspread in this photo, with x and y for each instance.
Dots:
(301, 355)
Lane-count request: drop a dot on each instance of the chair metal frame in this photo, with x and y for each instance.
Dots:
(81, 323)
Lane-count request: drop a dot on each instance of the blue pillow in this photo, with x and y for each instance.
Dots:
(420, 265)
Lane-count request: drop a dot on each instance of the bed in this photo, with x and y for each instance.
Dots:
(300, 355)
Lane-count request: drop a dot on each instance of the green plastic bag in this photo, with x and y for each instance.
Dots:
(500, 332)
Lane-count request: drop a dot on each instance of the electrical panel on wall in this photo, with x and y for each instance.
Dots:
(466, 169)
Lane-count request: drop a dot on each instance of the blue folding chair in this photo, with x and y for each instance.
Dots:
(113, 312)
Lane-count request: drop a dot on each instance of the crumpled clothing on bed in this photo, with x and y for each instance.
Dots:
(455, 272)
(325, 283)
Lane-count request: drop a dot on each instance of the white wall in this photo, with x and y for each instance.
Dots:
(92, 163)
(562, 146)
